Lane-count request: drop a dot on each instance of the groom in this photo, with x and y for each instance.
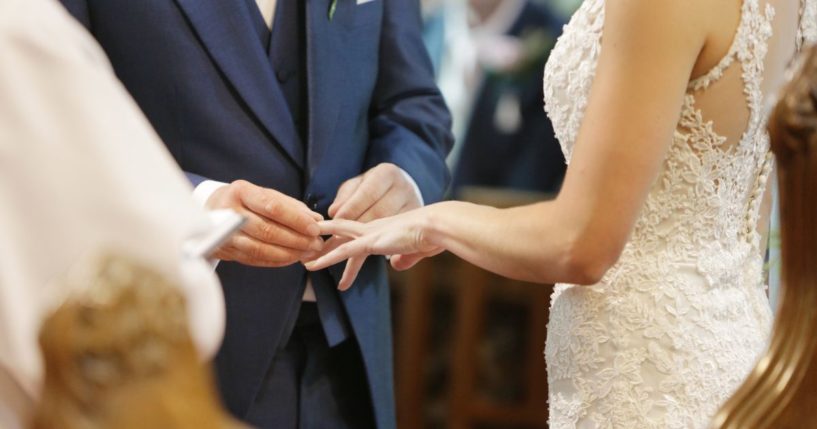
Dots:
(269, 105)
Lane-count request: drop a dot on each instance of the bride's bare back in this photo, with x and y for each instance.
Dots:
(722, 104)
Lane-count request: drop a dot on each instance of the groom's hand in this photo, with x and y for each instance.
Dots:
(279, 231)
(383, 191)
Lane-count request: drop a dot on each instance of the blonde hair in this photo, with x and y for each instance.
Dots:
(782, 390)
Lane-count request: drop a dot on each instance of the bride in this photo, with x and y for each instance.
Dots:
(660, 310)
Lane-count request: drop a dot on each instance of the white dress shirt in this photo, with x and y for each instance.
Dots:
(267, 8)
(81, 172)
(205, 189)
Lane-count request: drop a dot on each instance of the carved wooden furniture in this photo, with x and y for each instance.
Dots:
(473, 292)
(476, 290)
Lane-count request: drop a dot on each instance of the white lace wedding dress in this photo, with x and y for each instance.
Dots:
(675, 326)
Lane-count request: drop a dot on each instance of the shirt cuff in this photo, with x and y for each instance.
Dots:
(205, 190)
(413, 183)
(201, 194)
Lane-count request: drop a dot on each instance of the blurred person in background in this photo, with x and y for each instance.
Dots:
(448, 38)
(489, 56)
(507, 143)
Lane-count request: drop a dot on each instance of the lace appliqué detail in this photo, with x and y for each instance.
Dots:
(578, 55)
(807, 33)
(677, 323)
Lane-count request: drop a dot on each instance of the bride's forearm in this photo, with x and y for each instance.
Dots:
(537, 243)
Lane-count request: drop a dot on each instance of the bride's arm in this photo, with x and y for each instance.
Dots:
(649, 50)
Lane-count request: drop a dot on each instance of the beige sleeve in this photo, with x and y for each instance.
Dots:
(81, 172)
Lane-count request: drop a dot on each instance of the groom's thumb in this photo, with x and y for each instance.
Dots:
(347, 189)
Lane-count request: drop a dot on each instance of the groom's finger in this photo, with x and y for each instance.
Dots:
(249, 251)
(389, 205)
(269, 232)
(282, 209)
(347, 189)
(317, 216)
(371, 190)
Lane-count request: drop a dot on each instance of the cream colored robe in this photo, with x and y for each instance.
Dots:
(81, 172)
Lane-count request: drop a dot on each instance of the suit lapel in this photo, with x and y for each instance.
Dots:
(324, 65)
(227, 32)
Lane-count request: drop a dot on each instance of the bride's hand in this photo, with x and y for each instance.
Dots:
(405, 236)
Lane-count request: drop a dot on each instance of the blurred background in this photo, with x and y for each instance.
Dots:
(469, 345)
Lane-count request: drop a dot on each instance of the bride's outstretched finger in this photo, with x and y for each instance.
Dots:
(353, 266)
(342, 227)
(356, 247)
(330, 245)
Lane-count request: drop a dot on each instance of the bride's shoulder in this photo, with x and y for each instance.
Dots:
(686, 20)
(689, 11)
(695, 15)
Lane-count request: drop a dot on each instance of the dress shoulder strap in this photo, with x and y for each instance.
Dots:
(748, 45)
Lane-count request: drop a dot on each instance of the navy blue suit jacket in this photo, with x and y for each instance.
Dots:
(198, 71)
